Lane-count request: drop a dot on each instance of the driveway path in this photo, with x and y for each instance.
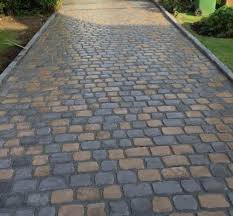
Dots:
(113, 112)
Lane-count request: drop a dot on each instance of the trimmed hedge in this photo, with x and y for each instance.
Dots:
(218, 24)
(28, 6)
(178, 5)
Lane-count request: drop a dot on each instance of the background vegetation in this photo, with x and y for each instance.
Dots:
(18, 7)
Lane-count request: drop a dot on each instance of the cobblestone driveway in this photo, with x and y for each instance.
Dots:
(114, 112)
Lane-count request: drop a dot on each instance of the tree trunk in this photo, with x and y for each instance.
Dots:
(229, 2)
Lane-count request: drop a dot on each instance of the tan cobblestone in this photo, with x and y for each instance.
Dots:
(71, 210)
(42, 171)
(149, 175)
(154, 123)
(172, 130)
(175, 160)
(88, 193)
(116, 154)
(6, 174)
(88, 166)
(62, 196)
(112, 192)
(101, 135)
(70, 147)
(215, 213)
(40, 160)
(213, 201)
(175, 173)
(142, 142)
(75, 129)
(133, 163)
(160, 150)
(82, 156)
(96, 209)
(161, 204)
(208, 137)
(182, 149)
(219, 158)
(193, 129)
(86, 136)
(137, 152)
(200, 171)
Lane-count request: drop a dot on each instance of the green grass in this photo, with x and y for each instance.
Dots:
(221, 47)
(6, 39)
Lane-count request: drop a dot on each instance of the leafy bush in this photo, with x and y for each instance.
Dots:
(218, 24)
(178, 5)
(220, 3)
(50, 5)
(28, 6)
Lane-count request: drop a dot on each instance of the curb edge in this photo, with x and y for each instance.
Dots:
(196, 42)
(9, 69)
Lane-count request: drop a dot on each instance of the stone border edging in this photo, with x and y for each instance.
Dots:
(9, 69)
(196, 42)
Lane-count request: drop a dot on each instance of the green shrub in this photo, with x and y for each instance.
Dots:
(218, 24)
(28, 6)
(178, 5)
(220, 3)
(50, 5)
(1, 7)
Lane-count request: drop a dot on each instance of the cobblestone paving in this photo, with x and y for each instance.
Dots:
(114, 112)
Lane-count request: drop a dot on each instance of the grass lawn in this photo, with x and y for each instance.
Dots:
(221, 47)
(15, 32)
(6, 38)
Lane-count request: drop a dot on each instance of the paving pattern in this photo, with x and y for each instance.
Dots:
(113, 112)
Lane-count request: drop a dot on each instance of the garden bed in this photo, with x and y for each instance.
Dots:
(221, 47)
(15, 32)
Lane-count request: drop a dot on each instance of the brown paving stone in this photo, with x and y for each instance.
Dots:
(208, 137)
(6, 174)
(86, 136)
(88, 193)
(193, 129)
(116, 154)
(88, 166)
(154, 123)
(96, 209)
(75, 129)
(149, 175)
(219, 158)
(181, 214)
(112, 192)
(172, 130)
(42, 171)
(137, 152)
(70, 147)
(175, 160)
(142, 142)
(62, 196)
(40, 160)
(133, 163)
(213, 213)
(175, 173)
(71, 210)
(229, 181)
(200, 171)
(182, 149)
(82, 156)
(213, 201)
(162, 204)
(103, 135)
(160, 150)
